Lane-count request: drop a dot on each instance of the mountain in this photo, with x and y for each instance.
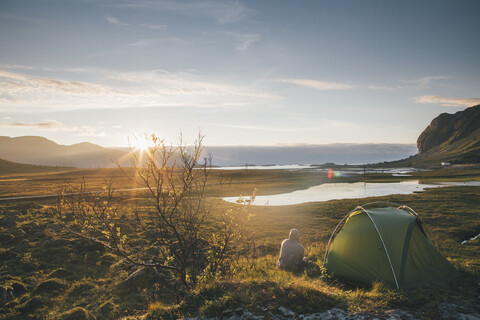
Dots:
(452, 138)
(41, 151)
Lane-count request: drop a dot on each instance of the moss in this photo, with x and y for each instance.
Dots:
(50, 286)
(33, 304)
(19, 289)
(60, 273)
(108, 310)
(77, 313)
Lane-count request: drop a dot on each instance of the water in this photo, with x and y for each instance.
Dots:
(398, 172)
(332, 191)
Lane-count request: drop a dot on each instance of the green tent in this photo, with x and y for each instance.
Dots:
(388, 244)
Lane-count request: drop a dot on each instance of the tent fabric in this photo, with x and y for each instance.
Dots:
(386, 244)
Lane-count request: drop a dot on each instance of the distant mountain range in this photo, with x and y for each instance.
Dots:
(41, 151)
(341, 153)
(451, 138)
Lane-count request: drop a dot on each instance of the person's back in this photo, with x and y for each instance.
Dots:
(291, 252)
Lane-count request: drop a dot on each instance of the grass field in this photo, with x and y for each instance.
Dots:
(51, 274)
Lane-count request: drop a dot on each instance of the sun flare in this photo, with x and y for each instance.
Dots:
(141, 144)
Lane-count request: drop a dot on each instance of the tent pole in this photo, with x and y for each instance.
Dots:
(383, 243)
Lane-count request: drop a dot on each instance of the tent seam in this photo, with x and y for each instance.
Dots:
(384, 246)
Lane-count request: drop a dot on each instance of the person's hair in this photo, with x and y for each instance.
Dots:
(294, 235)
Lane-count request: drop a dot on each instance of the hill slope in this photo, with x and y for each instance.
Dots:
(41, 151)
(452, 137)
(8, 167)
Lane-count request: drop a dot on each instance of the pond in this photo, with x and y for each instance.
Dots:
(332, 191)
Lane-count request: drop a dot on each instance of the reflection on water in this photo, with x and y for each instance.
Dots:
(331, 191)
(399, 172)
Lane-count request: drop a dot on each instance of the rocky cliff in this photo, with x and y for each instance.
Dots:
(452, 137)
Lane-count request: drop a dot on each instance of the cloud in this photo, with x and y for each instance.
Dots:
(87, 131)
(384, 88)
(243, 40)
(220, 11)
(115, 21)
(49, 124)
(156, 88)
(319, 85)
(150, 41)
(153, 26)
(423, 83)
(324, 123)
(142, 43)
(58, 126)
(448, 102)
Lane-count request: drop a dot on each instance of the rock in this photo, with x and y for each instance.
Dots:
(449, 132)
(286, 312)
(333, 314)
(77, 313)
(448, 311)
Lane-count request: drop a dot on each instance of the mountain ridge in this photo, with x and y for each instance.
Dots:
(41, 151)
(452, 137)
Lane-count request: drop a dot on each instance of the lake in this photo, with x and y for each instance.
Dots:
(332, 191)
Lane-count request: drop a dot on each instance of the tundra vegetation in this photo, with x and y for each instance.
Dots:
(176, 249)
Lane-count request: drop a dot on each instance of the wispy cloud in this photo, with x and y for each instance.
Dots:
(19, 91)
(115, 21)
(220, 11)
(243, 40)
(382, 88)
(449, 102)
(142, 43)
(420, 83)
(54, 125)
(423, 83)
(324, 124)
(49, 124)
(153, 26)
(319, 85)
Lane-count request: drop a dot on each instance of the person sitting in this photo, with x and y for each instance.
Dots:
(291, 252)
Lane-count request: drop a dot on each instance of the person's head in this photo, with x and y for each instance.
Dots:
(294, 235)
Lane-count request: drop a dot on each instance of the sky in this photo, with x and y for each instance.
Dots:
(240, 72)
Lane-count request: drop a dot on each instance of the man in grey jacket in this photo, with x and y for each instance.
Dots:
(291, 252)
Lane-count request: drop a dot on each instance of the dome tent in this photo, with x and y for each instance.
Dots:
(386, 243)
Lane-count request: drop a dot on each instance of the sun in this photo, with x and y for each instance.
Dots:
(141, 144)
